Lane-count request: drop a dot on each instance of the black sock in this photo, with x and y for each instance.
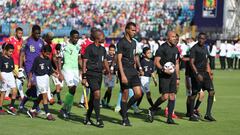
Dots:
(1, 108)
(58, 96)
(171, 105)
(37, 102)
(54, 92)
(45, 106)
(109, 97)
(90, 106)
(131, 101)
(150, 101)
(25, 99)
(197, 104)
(106, 95)
(191, 107)
(96, 106)
(157, 103)
(139, 100)
(124, 109)
(188, 106)
(12, 102)
(209, 105)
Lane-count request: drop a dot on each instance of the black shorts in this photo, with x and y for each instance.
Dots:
(94, 80)
(132, 77)
(167, 83)
(206, 84)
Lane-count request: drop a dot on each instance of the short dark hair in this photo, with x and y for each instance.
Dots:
(36, 27)
(19, 29)
(112, 46)
(74, 32)
(8, 47)
(58, 47)
(129, 24)
(95, 34)
(46, 48)
(202, 34)
(145, 49)
(92, 31)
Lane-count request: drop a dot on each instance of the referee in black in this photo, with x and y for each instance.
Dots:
(94, 61)
(127, 61)
(168, 81)
(202, 76)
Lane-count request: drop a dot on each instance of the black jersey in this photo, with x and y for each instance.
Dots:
(128, 51)
(200, 55)
(167, 53)
(111, 60)
(6, 64)
(42, 66)
(148, 67)
(95, 55)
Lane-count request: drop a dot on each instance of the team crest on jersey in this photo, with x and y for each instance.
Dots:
(145, 68)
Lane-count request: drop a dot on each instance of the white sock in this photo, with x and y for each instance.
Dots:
(20, 88)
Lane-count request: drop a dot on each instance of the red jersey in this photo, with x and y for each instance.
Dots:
(17, 47)
(53, 46)
(86, 43)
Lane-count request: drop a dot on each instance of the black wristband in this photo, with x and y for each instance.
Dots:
(178, 78)
(84, 76)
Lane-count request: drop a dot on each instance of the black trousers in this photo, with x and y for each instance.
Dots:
(212, 62)
(230, 63)
(223, 62)
(236, 63)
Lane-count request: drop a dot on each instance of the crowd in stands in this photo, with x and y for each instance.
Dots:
(154, 18)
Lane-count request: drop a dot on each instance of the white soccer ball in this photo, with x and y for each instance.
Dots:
(169, 66)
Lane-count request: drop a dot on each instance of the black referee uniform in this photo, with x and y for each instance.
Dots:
(200, 55)
(95, 56)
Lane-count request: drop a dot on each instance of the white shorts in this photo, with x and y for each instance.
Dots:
(56, 81)
(42, 84)
(71, 77)
(145, 81)
(109, 83)
(9, 81)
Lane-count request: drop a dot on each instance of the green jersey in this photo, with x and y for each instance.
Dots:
(70, 56)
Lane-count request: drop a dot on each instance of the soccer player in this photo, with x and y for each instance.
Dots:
(7, 80)
(109, 82)
(94, 60)
(202, 78)
(70, 71)
(148, 70)
(17, 42)
(42, 69)
(29, 52)
(168, 81)
(128, 75)
(58, 84)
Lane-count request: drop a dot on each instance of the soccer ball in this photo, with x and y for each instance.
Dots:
(52, 101)
(169, 66)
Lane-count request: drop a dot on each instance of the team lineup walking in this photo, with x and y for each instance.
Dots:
(88, 63)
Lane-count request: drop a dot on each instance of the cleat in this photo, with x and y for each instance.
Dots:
(11, 110)
(117, 109)
(150, 116)
(170, 121)
(64, 113)
(126, 122)
(88, 121)
(81, 105)
(50, 117)
(197, 112)
(32, 113)
(193, 118)
(22, 109)
(99, 123)
(187, 115)
(166, 112)
(174, 116)
(209, 118)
